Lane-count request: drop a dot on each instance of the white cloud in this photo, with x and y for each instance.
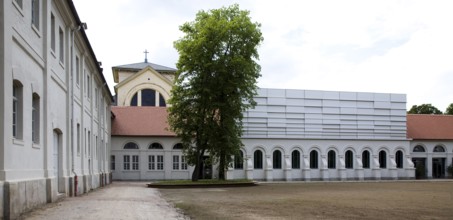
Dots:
(375, 46)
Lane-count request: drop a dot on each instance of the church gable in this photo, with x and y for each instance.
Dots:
(147, 82)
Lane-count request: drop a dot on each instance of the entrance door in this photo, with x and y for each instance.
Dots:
(56, 159)
(56, 151)
(420, 167)
(206, 169)
(438, 167)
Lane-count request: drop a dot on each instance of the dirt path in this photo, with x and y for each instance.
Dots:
(120, 200)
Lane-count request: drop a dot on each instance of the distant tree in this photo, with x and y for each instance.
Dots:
(449, 110)
(424, 109)
(215, 83)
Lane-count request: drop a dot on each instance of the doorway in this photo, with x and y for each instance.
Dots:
(56, 159)
(438, 167)
(206, 168)
(420, 167)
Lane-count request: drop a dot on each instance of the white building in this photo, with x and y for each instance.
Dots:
(54, 106)
(290, 134)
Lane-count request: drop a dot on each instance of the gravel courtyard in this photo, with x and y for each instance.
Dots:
(119, 200)
(319, 200)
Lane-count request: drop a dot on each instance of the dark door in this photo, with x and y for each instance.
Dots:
(206, 168)
(438, 167)
(420, 167)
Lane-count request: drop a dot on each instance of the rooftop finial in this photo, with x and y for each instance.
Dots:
(146, 55)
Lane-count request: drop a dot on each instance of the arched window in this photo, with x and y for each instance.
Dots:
(155, 145)
(258, 160)
(331, 160)
(382, 159)
(277, 159)
(295, 159)
(131, 145)
(366, 159)
(314, 159)
(178, 146)
(439, 148)
(134, 100)
(148, 98)
(419, 148)
(399, 159)
(239, 161)
(17, 109)
(349, 160)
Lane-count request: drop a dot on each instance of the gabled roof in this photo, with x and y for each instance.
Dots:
(139, 66)
(140, 121)
(430, 127)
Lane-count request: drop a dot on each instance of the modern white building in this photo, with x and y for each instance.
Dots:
(290, 135)
(54, 106)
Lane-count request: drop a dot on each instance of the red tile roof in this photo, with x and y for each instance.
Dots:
(430, 127)
(140, 121)
(152, 121)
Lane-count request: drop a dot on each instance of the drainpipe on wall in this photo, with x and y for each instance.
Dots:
(82, 25)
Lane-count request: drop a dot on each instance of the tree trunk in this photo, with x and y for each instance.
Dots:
(222, 165)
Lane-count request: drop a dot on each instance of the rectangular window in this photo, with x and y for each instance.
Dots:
(78, 139)
(175, 162)
(88, 86)
(183, 163)
(77, 76)
(127, 162)
(135, 162)
(61, 39)
(96, 102)
(52, 32)
(17, 110)
(95, 152)
(151, 161)
(160, 162)
(85, 141)
(19, 3)
(89, 143)
(112, 162)
(35, 13)
(35, 119)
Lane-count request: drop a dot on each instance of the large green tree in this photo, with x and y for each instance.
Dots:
(215, 83)
(424, 109)
(449, 110)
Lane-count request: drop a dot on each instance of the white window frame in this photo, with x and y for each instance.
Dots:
(35, 122)
(126, 162)
(35, 13)
(175, 162)
(135, 162)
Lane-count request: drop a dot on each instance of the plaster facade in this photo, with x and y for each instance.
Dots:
(55, 109)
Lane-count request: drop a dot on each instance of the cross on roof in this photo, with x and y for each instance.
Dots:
(146, 55)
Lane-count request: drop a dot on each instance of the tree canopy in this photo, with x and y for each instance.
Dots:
(449, 110)
(215, 83)
(424, 109)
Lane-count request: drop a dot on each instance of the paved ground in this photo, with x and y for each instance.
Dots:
(120, 200)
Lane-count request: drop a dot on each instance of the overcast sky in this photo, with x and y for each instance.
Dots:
(367, 46)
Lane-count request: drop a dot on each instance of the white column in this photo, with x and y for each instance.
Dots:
(392, 167)
(342, 169)
(249, 167)
(359, 169)
(269, 168)
(323, 168)
(429, 165)
(287, 168)
(306, 169)
(375, 166)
